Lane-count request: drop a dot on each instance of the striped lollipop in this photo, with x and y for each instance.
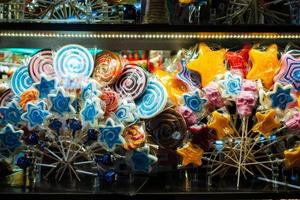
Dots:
(6, 97)
(41, 63)
(21, 80)
(132, 82)
(153, 101)
(73, 61)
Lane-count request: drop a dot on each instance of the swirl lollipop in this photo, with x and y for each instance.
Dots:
(6, 97)
(132, 82)
(21, 80)
(153, 101)
(134, 136)
(73, 61)
(111, 101)
(168, 128)
(41, 63)
(108, 67)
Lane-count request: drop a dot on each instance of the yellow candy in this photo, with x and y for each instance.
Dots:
(292, 158)
(265, 65)
(266, 122)
(175, 87)
(186, 1)
(221, 124)
(190, 154)
(208, 64)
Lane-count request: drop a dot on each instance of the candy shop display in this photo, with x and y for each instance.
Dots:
(76, 113)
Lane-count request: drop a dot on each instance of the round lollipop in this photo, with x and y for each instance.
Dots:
(41, 63)
(153, 101)
(111, 101)
(21, 80)
(168, 128)
(6, 97)
(73, 61)
(132, 82)
(108, 67)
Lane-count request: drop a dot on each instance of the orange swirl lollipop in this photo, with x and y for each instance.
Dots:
(108, 67)
(111, 101)
(134, 136)
(28, 96)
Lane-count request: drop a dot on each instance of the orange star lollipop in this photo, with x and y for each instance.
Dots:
(265, 65)
(208, 64)
(221, 124)
(292, 157)
(191, 154)
(175, 87)
(266, 122)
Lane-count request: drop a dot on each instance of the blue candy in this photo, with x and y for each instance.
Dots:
(194, 102)
(60, 103)
(21, 80)
(90, 113)
(11, 114)
(10, 138)
(281, 96)
(35, 115)
(23, 162)
(141, 160)
(232, 85)
(45, 87)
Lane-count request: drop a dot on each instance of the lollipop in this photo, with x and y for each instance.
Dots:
(73, 61)
(108, 67)
(111, 101)
(10, 138)
(221, 124)
(21, 80)
(28, 96)
(168, 128)
(266, 122)
(41, 63)
(191, 78)
(290, 71)
(191, 154)
(245, 103)
(188, 115)
(153, 101)
(293, 123)
(132, 82)
(6, 97)
(134, 136)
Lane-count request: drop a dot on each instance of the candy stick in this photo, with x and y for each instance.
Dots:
(279, 183)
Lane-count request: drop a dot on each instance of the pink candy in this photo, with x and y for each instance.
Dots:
(188, 115)
(294, 122)
(245, 103)
(249, 85)
(213, 95)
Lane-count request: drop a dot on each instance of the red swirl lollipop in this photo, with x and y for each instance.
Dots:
(41, 63)
(111, 101)
(132, 82)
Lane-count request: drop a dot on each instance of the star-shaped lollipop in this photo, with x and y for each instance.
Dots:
(232, 85)
(266, 122)
(125, 112)
(194, 102)
(265, 65)
(292, 157)
(141, 159)
(281, 96)
(190, 154)
(10, 138)
(61, 103)
(110, 135)
(89, 91)
(290, 71)
(208, 64)
(90, 112)
(35, 115)
(45, 86)
(221, 124)
(11, 114)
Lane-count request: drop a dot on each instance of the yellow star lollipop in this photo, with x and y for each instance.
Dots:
(208, 64)
(221, 124)
(190, 154)
(265, 65)
(292, 157)
(266, 122)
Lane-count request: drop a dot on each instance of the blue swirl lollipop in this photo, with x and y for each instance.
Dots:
(61, 103)
(232, 85)
(45, 86)
(125, 112)
(281, 96)
(11, 114)
(91, 112)
(10, 138)
(110, 135)
(21, 80)
(73, 61)
(153, 100)
(194, 101)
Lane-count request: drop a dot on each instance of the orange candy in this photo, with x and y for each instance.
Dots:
(28, 96)
(292, 157)
(190, 154)
(221, 124)
(266, 122)
(134, 137)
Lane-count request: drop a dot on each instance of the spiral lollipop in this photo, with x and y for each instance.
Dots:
(111, 101)
(132, 82)
(73, 61)
(108, 67)
(6, 97)
(21, 80)
(41, 63)
(168, 128)
(153, 101)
